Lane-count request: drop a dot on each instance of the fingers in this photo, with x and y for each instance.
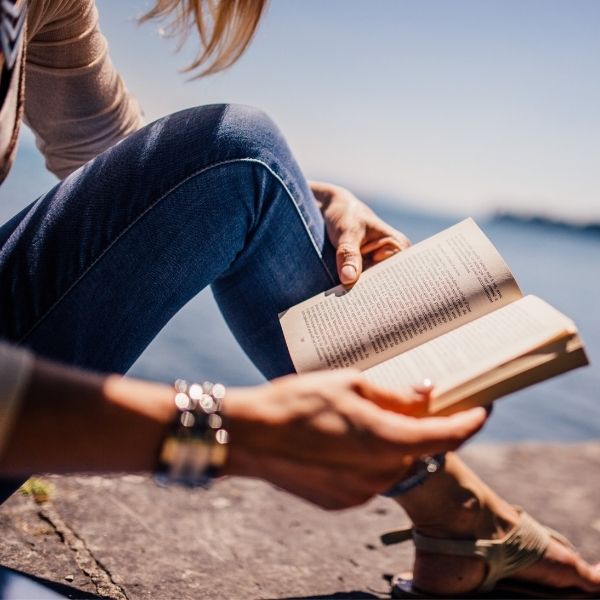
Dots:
(348, 256)
(383, 241)
(413, 402)
(431, 435)
(389, 414)
(369, 237)
(383, 253)
(386, 242)
(378, 229)
(350, 225)
(448, 433)
(402, 239)
(424, 388)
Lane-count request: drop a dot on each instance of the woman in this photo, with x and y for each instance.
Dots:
(92, 271)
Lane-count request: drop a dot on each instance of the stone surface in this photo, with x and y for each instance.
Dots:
(124, 537)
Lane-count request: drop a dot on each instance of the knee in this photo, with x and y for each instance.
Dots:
(241, 131)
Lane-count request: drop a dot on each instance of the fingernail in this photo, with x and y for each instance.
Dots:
(348, 274)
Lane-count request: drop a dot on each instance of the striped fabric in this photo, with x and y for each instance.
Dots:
(12, 25)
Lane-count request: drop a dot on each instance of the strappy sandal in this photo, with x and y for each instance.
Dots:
(525, 544)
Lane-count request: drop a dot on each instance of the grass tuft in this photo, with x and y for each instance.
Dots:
(40, 490)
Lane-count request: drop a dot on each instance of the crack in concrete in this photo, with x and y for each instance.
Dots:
(86, 561)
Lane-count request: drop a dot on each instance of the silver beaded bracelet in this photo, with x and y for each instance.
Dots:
(195, 448)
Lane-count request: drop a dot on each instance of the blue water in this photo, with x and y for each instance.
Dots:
(559, 264)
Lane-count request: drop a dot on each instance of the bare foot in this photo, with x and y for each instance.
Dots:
(456, 504)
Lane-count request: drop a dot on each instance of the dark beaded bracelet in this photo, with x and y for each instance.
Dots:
(428, 465)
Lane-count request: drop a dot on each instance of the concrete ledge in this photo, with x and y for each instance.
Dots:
(123, 537)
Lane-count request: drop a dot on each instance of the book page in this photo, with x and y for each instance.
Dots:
(481, 345)
(433, 287)
(548, 360)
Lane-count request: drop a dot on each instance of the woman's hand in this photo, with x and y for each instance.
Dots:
(334, 438)
(355, 231)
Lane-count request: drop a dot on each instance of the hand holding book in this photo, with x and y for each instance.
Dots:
(447, 308)
(358, 234)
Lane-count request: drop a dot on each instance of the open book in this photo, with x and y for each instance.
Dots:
(447, 309)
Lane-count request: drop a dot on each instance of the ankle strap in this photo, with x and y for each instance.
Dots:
(396, 537)
(522, 546)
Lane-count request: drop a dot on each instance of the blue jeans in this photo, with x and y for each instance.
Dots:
(91, 271)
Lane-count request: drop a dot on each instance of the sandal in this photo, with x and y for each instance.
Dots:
(525, 544)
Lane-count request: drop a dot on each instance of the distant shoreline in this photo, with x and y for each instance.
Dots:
(513, 218)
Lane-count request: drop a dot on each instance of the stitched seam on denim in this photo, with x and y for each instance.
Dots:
(152, 207)
(306, 227)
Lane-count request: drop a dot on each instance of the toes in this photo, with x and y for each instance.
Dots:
(562, 568)
(587, 576)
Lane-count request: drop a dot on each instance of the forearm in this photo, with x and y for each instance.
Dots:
(299, 432)
(73, 421)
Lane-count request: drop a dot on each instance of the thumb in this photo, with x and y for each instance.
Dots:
(348, 256)
(431, 435)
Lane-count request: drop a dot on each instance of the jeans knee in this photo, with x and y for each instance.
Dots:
(241, 131)
(196, 140)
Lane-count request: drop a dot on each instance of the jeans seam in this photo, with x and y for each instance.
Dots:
(298, 211)
(152, 207)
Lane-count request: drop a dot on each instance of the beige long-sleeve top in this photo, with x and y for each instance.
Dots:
(67, 90)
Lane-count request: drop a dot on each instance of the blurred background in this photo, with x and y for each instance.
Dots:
(430, 111)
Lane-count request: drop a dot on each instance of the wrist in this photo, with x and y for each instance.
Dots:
(242, 409)
(195, 446)
(259, 419)
(150, 400)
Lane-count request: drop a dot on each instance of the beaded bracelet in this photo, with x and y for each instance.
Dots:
(195, 446)
(426, 466)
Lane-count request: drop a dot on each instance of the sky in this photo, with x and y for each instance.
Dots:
(462, 106)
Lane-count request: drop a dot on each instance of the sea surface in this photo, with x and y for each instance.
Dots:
(558, 262)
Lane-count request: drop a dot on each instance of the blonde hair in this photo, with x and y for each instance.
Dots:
(226, 28)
